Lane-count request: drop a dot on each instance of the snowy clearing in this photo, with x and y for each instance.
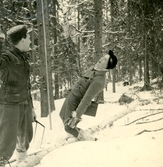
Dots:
(128, 135)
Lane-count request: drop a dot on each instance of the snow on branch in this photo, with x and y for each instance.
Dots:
(76, 5)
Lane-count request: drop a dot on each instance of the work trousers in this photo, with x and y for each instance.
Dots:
(15, 128)
(70, 104)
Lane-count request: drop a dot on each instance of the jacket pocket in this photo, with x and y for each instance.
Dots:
(12, 97)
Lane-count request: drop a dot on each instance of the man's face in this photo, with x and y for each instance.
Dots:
(26, 44)
(102, 63)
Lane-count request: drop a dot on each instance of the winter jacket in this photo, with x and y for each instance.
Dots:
(15, 86)
(87, 87)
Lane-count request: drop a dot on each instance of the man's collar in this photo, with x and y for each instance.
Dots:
(19, 53)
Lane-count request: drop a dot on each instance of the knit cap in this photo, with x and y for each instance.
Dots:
(16, 33)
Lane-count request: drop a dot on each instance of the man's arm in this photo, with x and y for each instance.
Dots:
(4, 61)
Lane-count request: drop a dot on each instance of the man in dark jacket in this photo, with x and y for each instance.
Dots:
(16, 108)
(82, 93)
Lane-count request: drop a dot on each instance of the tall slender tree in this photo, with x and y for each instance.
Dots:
(98, 38)
(46, 91)
(56, 72)
(113, 16)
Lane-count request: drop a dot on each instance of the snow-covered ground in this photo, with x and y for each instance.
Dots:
(129, 142)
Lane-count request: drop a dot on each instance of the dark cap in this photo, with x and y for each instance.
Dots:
(16, 33)
(112, 62)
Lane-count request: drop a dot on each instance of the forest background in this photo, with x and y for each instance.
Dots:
(70, 35)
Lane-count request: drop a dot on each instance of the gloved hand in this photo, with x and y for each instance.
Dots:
(73, 120)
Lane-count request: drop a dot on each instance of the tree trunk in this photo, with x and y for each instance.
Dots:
(46, 91)
(1, 39)
(140, 69)
(113, 15)
(129, 48)
(146, 56)
(146, 66)
(56, 76)
(154, 60)
(98, 28)
(78, 44)
(32, 47)
(98, 39)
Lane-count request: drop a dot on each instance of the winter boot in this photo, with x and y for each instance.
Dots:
(20, 158)
(85, 136)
